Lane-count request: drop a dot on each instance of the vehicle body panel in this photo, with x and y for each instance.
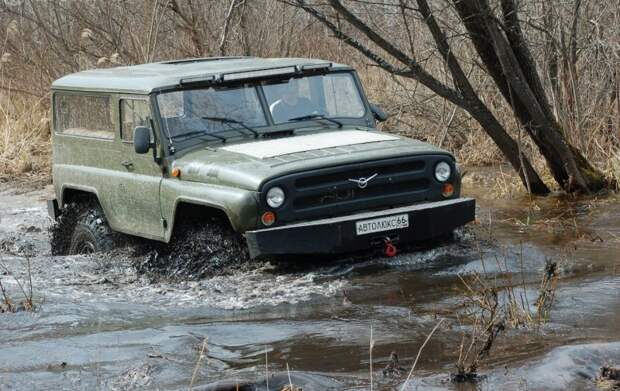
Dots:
(241, 206)
(96, 166)
(220, 166)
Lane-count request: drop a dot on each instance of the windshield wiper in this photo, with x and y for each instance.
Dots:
(230, 121)
(200, 132)
(316, 116)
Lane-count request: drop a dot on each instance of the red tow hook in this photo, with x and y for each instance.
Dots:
(389, 250)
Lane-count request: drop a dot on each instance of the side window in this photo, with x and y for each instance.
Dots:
(134, 113)
(84, 115)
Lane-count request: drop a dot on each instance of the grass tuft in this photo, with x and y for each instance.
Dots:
(494, 303)
(10, 304)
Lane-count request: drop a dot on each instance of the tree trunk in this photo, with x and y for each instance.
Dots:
(508, 61)
(509, 147)
(479, 110)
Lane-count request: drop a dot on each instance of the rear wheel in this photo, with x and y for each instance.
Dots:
(81, 229)
(92, 233)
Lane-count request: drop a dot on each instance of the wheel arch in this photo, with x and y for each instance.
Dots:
(76, 193)
(71, 194)
(189, 208)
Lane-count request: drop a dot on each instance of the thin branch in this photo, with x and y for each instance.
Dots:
(231, 7)
(413, 69)
(420, 353)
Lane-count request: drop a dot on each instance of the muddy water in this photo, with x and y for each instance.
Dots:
(101, 326)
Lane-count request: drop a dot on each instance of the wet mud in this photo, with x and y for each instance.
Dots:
(196, 252)
(108, 321)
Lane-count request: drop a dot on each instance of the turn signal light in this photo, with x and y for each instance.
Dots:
(176, 172)
(447, 190)
(268, 218)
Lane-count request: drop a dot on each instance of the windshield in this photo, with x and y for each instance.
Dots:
(331, 95)
(185, 112)
(218, 109)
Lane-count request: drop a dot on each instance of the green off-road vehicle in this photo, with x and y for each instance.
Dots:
(282, 154)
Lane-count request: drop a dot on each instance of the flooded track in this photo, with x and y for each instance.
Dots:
(101, 326)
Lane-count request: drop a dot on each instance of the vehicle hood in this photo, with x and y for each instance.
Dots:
(248, 165)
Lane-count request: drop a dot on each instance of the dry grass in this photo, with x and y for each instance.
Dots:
(25, 149)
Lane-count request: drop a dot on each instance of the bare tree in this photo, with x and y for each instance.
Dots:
(503, 50)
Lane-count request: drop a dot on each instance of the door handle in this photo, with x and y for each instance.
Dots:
(127, 163)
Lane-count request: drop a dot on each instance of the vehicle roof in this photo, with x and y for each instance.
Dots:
(146, 78)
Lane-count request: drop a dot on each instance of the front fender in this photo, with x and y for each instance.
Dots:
(241, 206)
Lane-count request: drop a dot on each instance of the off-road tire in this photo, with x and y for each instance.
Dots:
(82, 228)
(198, 250)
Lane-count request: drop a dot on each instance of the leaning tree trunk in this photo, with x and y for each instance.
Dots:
(506, 56)
(480, 112)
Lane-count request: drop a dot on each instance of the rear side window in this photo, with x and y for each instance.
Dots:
(134, 113)
(84, 115)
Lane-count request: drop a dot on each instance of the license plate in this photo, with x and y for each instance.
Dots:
(382, 224)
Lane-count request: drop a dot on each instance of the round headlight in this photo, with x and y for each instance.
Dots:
(442, 171)
(275, 197)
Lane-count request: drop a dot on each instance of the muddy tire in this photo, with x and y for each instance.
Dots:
(82, 229)
(198, 250)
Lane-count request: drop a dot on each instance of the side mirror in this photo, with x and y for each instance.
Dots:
(142, 139)
(378, 113)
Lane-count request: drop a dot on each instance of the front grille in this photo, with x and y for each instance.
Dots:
(328, 192)
(334, 197)
(341, 177)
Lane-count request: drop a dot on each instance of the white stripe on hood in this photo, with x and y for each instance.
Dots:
(310, 142)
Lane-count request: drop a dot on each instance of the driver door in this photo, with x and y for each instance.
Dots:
(140, 176)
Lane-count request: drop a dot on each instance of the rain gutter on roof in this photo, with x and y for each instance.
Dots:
(105, 90)
(258, 73)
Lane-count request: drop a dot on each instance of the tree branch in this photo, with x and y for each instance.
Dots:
(413, 69)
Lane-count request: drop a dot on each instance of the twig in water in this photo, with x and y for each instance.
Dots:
(420, 353)
(266, 370)
(372, 345)
(290, 383)
(201, 356)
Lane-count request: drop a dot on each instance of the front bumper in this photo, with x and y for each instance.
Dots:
(338, 234)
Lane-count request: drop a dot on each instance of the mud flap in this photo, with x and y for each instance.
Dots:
(52, 209)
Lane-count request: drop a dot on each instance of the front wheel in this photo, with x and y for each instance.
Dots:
(198, 250)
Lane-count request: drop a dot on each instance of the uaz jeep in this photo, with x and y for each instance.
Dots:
(282, 153)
